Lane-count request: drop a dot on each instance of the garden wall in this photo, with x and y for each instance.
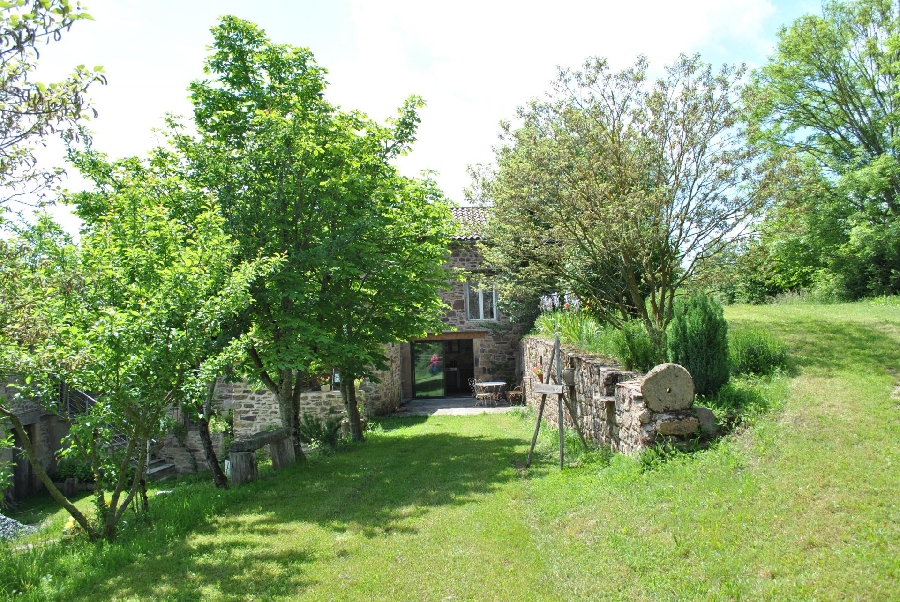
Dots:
(608, 402)
(185, 450)
(257, 409)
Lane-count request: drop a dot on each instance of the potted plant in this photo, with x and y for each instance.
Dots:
(324, 383)
(538, 372)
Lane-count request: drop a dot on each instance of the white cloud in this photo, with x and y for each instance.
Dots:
(473, 62)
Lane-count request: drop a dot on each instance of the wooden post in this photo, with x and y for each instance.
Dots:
(243, 467)
(282, 453)
(543, 391)
(559, 402)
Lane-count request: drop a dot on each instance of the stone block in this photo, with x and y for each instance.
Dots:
(707, 420)
(678, 426)
(668, 387)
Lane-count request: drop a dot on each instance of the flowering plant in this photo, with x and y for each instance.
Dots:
(323, 380)
(538, 371)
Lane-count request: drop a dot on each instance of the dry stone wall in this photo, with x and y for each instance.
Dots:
(257, 409)
(616, 407)
(382, 398)
(186, 451)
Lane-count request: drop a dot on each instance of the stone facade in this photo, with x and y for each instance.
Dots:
(608, 402)
(257, 409)
(185, 451)
(495, 342)
(383, 398)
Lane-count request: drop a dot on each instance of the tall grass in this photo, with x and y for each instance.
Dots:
(581, 330)
(630, 347)
(756, 351)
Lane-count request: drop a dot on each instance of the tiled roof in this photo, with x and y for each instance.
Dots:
(470, 222)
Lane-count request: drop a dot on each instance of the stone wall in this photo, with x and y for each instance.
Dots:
(608, 402)
(186, 451)
(46, 431)
(382, 398)
(257, 409)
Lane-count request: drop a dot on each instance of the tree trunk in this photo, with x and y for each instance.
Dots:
(55, 493)
(212, 460)
(348, 392)
(243, 467)
(287, 392)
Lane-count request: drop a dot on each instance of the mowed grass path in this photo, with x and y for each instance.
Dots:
(802, 505)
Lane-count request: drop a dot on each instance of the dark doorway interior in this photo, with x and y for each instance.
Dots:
(442, 368)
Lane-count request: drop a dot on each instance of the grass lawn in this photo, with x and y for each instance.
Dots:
(803, 504)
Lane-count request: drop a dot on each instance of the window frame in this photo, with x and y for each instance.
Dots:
(481, 294)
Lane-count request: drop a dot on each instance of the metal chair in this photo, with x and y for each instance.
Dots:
(516, 395)
(472, 382)
(483, 396)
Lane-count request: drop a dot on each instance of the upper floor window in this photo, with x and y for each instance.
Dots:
(481, 303)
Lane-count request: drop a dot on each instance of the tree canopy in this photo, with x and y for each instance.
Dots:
(298, 178)
(128, 314)
(30, 110)
(616, 187)
(829, 95)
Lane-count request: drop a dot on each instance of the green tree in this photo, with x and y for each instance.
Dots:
(298, 178)
(31, 110)
(616, 188)
(127, 314)
(830, 95)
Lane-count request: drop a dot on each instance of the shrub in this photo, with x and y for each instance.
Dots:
(756, 351)
(635, 349)
(313, 430)
(69, 468)
(697, 338)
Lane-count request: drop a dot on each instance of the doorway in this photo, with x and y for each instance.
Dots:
(442, 368)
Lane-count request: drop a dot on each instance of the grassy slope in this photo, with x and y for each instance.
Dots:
(802, 506)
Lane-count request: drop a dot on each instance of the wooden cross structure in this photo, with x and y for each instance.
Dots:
(545, 388)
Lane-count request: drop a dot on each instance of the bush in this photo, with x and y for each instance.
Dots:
(697, 338)
(756, 352)
(313, 431)
(635, 349)
(69, 468)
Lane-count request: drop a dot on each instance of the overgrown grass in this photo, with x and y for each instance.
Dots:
(756, 351)
(630, 347)
(800, 504)
(581, 330)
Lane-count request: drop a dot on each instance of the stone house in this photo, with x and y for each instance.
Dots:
(477, 341)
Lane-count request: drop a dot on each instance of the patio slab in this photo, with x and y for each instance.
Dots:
(448, 406)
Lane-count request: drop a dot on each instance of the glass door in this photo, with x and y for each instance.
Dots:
(428, 369)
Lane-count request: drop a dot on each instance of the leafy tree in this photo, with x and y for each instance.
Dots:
(127, 314)
(830, 95)
(31, 110)
(298, 178)
(616, 188)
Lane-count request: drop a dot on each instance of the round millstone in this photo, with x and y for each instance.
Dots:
(668, 387)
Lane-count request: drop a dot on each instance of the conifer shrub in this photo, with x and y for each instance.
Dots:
(697, 338)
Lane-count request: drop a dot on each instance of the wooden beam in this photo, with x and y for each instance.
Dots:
(453, 336)
(548, 389)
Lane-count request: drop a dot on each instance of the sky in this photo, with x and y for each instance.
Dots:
(474, 63)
